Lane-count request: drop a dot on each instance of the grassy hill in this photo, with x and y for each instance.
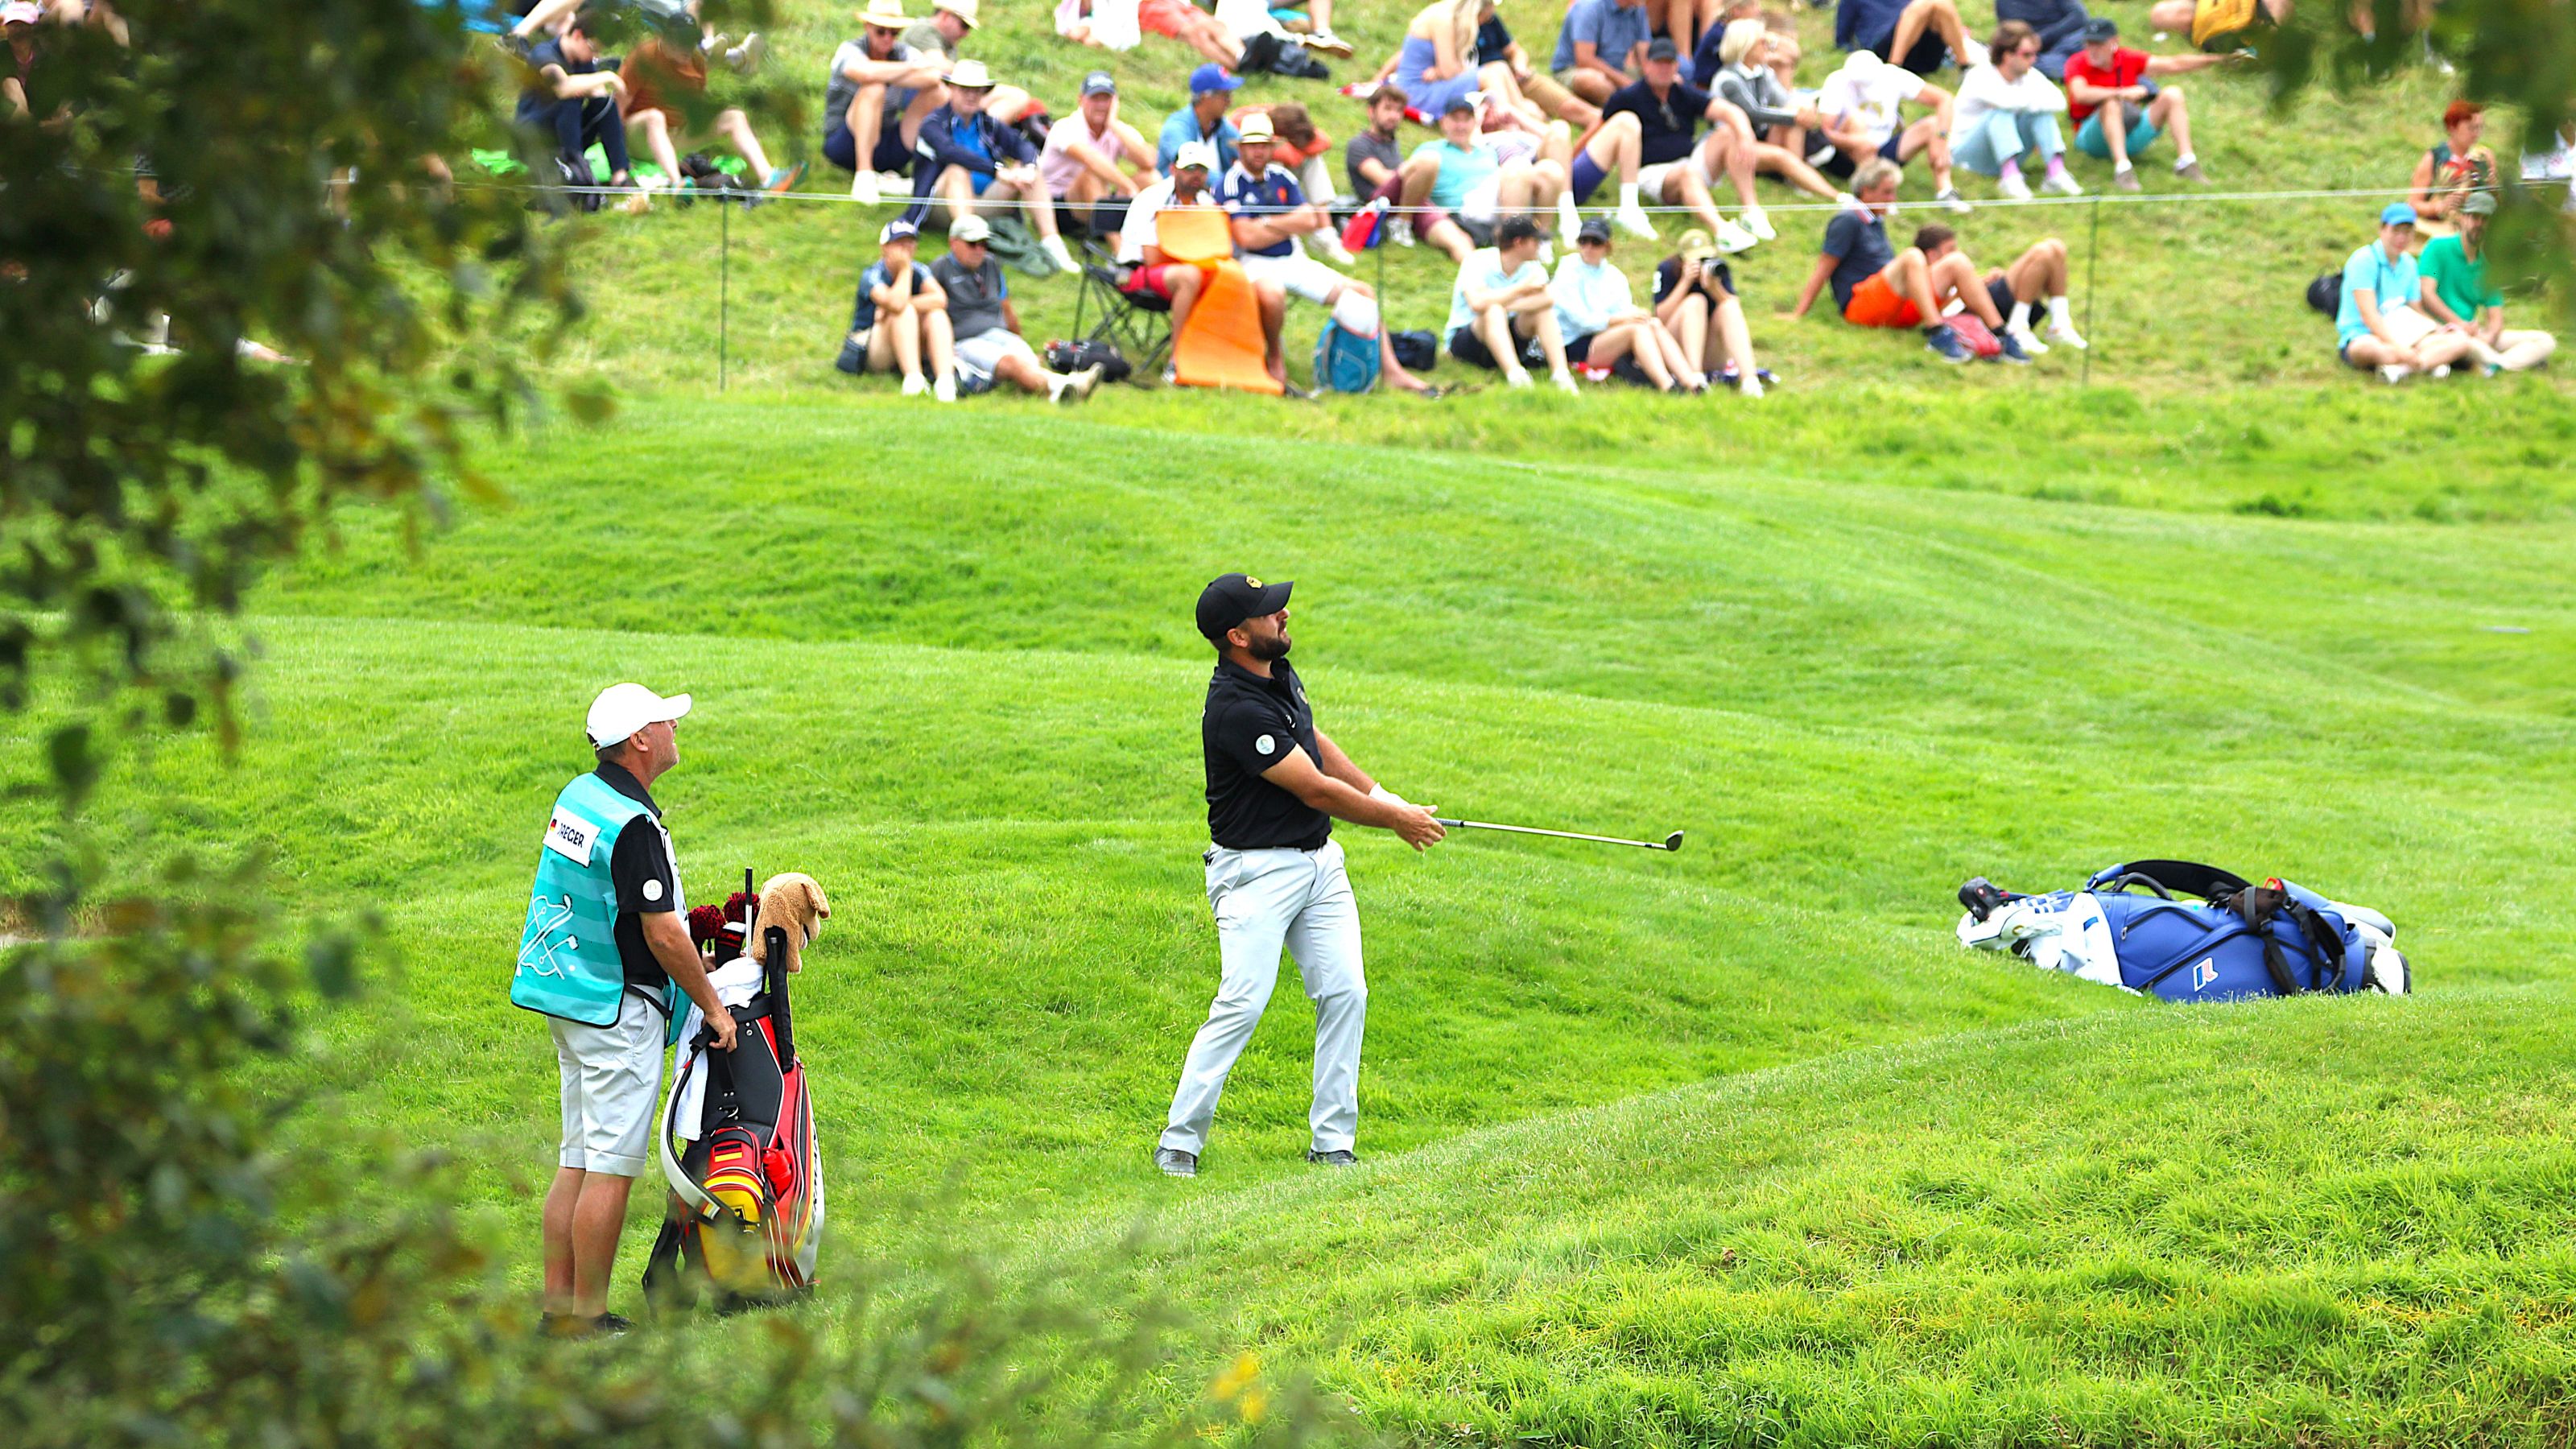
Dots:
(1728, 1146)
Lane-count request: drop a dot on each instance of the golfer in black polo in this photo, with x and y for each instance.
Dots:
(1275, 784)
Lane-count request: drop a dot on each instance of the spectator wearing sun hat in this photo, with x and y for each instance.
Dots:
(879, 92)
(1094, 163)
(940, 34)
(973, 162)
(1203, 119)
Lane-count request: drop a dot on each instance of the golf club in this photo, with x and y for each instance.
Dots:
(1669, 842)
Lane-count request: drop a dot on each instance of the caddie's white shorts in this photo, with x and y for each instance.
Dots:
(612, 1080)
(1300, 276)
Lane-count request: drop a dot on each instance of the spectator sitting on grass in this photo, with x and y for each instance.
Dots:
(2453, 290)
(1500, 314)
(2379, 324)
(1271, 215)
(1374, 160)
(1662, 114)
(1782, 124)
(1877, 286)
(1465, 175)
(1914, 34)
(1862, 104)
(2456, 166)
(18, 18)
(1437, 63)
(2118, 109)
(1601, 47)
(937, 39)
(2007, 109)
(655, 69)
(1504, 72)
(1151, 274)
(901, 319)
(1094, 164)
(1601, 325)
(1303, 150)
(574, 103)
(1178, 19)
(990, 349)
(877, 97)
(967, 158)
(2060, 25)
(1203, 119)
(1695, 301)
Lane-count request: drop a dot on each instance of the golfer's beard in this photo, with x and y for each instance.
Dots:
(1266, 650)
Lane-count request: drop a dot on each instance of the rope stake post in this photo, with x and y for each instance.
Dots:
(724, 287)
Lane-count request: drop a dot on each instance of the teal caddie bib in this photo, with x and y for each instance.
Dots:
(568, 961)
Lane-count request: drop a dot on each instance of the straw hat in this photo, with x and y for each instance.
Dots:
(970, 75)
(884, 14)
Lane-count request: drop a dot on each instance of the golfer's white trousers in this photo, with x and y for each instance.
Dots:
(1266, 900)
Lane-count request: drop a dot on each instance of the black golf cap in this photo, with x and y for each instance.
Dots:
(1232, 598)
(1662, 48)
(2101, 28)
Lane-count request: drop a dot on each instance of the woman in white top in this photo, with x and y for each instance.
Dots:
(1600, 320)
(2008, 109)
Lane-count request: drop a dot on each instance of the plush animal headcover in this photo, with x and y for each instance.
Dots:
(795, 901)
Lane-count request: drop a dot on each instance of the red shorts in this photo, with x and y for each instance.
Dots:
(1875, 304)
(1156, 281)
(1163, 17)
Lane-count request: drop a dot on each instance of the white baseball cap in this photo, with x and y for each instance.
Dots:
(622, 709)
(1195, 153)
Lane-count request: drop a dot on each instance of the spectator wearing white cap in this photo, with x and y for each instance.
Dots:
(1094, 164)
(1271, 217)
(990, 349)
(879, 93)
(900, 321)
(972, 161)
(604, 944)
(1151, 274)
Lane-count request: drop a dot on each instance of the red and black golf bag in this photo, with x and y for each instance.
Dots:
(749, 1184)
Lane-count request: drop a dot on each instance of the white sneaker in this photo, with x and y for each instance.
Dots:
(1058, 253)
(1749, 387)
(1634, 221)
(2014, 187)
(2065, 333)
(1732, 238)
(1329, 43)
(945, 390)
(863, 189)
(1568, 220)
(1566, 384)
(2394, 373)
(1399, 229)
(1333, 250)
(1078, 385)
(745, 58)
(2441, 370)
(1517, 377)
(914, 385)
(2028, 339)
(1949, 197)
(2062, 184)
(1757, 221)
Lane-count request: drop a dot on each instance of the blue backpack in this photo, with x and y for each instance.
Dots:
(1344, 360)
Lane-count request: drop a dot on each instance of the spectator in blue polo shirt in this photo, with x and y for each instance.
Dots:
(1600, 47)
(2381, 323)
(1203, 119)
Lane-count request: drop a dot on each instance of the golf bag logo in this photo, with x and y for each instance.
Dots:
(2204, 973)
(549, 930)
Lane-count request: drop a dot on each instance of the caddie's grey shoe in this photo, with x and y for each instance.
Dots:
(1176, 1163)
(1338, 1157)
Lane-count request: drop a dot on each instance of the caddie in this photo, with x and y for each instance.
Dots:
(1275, 784)
(606, 940)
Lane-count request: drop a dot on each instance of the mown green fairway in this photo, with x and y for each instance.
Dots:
(1728, 1146)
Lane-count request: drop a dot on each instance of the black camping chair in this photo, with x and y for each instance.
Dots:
(1138, 325)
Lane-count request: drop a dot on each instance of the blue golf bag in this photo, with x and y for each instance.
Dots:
(2135, 926)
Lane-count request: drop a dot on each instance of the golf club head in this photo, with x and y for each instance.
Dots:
(1673, 841)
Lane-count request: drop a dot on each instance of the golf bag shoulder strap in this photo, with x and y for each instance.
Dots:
(2174, 877)
(2259, 906)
